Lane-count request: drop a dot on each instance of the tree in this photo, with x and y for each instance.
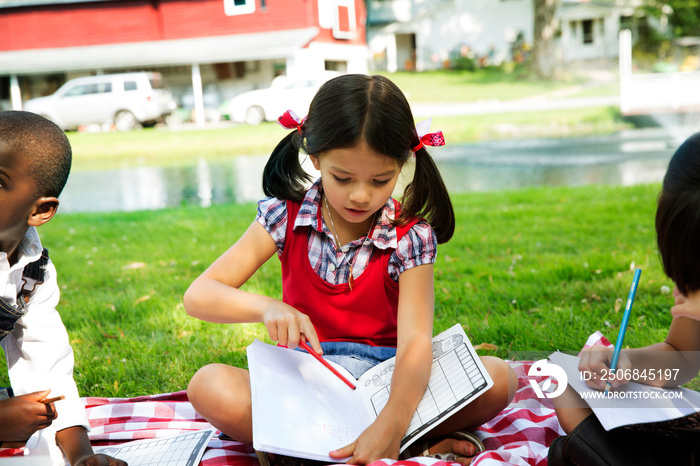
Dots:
(683, 16)
(544, 61)
(677, 18)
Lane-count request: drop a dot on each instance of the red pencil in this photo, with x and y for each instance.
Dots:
(313, 353)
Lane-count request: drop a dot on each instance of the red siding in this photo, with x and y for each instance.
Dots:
(77, 24)
(142, 20)
(196, 18)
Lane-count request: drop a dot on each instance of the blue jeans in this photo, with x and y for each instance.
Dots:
(357, 358)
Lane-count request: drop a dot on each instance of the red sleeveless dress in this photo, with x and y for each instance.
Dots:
(367, 314)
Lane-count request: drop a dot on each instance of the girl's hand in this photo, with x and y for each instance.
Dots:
(595, 367)
(21, 416)
(379, 440)
(686, 306)
(286, 326)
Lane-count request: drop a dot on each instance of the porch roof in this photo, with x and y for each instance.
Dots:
(583, 11)
(216, 49)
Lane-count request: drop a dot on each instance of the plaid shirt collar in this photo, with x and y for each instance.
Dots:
(383, 235)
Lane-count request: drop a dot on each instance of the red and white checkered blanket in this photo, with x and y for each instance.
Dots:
(520, 435)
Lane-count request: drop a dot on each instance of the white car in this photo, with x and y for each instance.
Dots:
(125, 99)
(284, 93)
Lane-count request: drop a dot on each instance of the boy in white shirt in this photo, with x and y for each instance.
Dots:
(35, 159)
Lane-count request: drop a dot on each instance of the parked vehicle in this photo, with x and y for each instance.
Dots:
(125, 100)
(268, 104)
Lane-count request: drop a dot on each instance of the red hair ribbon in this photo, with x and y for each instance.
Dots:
(290, 120)
(428, 139)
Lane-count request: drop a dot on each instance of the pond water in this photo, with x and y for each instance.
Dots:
(626, 158)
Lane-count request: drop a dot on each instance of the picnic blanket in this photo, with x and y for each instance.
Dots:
(520, 435)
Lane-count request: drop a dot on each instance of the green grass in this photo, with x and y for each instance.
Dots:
(448, 86)
(527, 270)
(170, 148)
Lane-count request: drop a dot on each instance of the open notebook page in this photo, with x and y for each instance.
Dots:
(313, 412)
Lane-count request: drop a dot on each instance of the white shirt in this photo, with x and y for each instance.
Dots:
(38, 351)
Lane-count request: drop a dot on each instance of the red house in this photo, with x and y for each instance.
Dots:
(210, 48)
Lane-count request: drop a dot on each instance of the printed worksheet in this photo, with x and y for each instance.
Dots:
(456, 378)
(179, 450)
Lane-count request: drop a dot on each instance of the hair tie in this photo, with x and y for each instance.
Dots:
(290, 120)
(425, 138)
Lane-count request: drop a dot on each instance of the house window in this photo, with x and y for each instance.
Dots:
(222, 71)
(335, 65)
(239, 7)
(587, 31)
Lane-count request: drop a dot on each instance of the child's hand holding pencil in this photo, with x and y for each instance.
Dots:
(595, 364)
(22, 415)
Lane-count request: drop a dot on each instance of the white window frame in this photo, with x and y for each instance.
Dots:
(352, 19)
(231, 9)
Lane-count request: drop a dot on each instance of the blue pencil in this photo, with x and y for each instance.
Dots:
(623, 325)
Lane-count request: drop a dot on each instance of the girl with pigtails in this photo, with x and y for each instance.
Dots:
(357, 268)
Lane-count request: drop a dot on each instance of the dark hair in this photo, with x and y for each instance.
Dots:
(345, 111)
(678, 217)
(45, 143)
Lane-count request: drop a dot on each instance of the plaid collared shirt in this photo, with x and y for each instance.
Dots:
(417, 247)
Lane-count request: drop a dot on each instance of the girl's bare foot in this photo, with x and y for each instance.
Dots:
(459, 447)
(454, 450)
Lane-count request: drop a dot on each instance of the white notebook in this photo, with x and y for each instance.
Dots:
(301, 409)
(635, 403)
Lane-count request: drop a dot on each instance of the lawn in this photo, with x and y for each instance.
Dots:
(527, 270)
(449, 86)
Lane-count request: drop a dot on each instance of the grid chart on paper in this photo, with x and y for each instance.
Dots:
(182, 450)
(442, 393)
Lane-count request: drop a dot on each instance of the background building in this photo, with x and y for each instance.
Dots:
(207, 50)
(432, 34)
